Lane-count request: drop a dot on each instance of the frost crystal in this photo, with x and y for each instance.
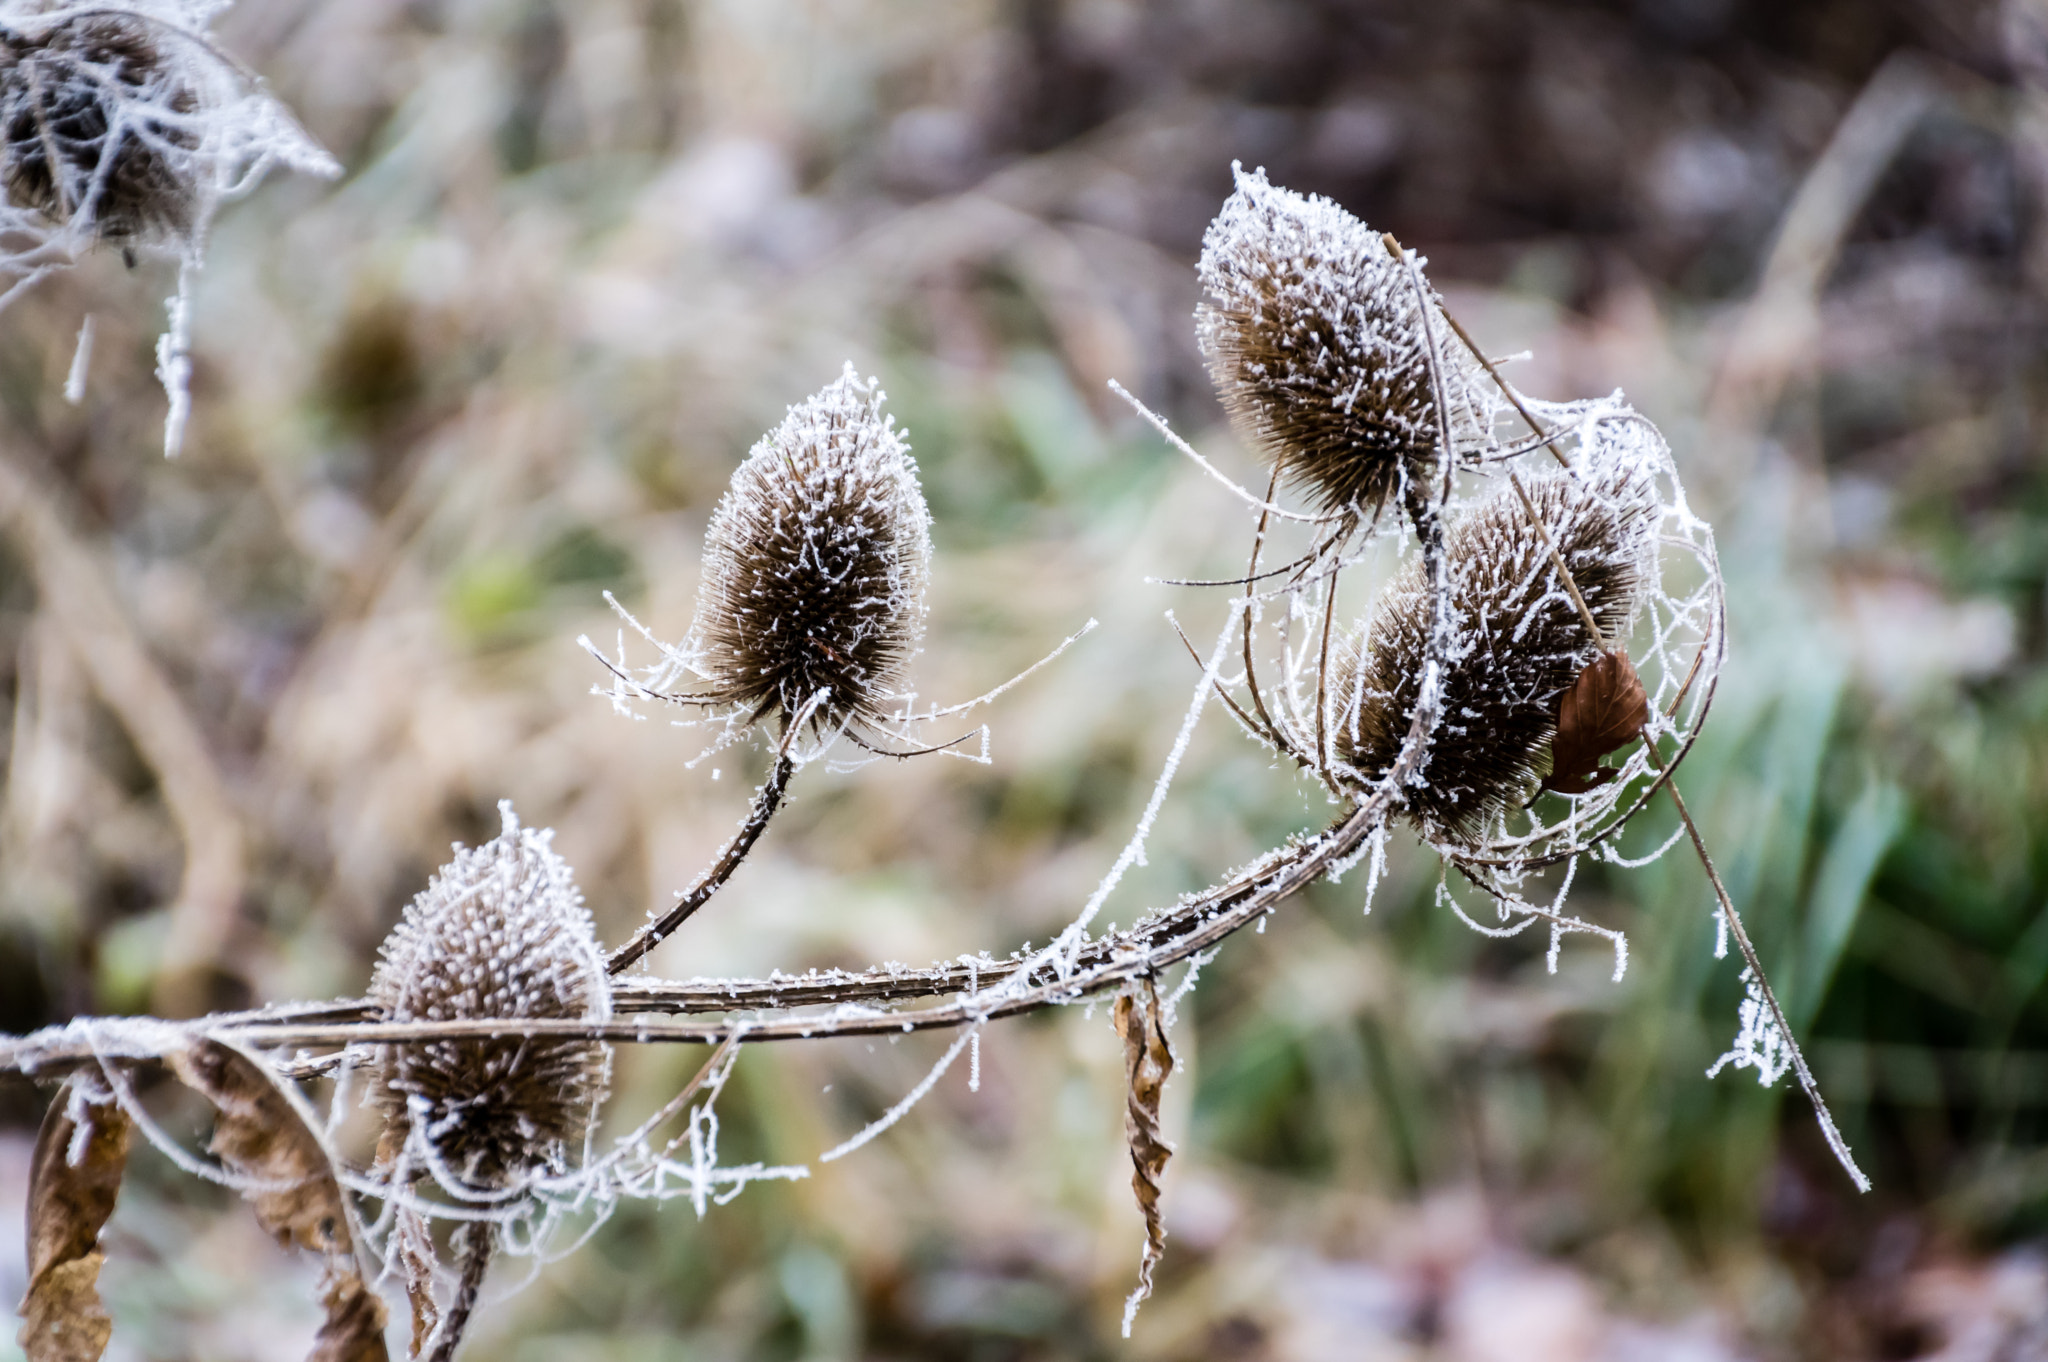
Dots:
(500, 932)
(812, 603)
(1759, 1044)
(1522, 641)
(1316, 339)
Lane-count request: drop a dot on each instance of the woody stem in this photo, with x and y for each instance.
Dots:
(766, 801)
(1829, 1131)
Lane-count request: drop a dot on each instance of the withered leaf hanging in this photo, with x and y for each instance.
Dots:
(1602, 710)
(263, 1135)
(80, 1156)
(1148, 1061)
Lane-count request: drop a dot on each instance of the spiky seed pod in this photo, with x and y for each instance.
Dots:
(1521, 642)
(815, 566)
(1314, 336)
(91, 127)
(500, 932)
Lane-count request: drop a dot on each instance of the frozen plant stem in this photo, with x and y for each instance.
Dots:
(1833, 1135)
(477, 1240)
(1836, 1143)
(766, 801)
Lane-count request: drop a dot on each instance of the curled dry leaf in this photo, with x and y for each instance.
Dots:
(1148, 1059)
(1602, 710)
(79, 1159)
(265, 1134)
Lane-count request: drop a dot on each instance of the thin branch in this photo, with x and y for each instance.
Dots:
(1557, 560)
(766, 801)
(1265, 507)
(1512, 396)
(1836, 1143)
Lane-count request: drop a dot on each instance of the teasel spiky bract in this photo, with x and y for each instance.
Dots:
(1522, 642)
(812, 602)
(96, 128)
(1319, 344)
(500, 932)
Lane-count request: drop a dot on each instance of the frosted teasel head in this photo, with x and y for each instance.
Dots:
(1521, 642)
(813, 597)
(1319, 342)
(500, 932)
(95, 112)
(122, 123)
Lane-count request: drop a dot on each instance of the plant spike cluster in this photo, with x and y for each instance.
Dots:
(123, 125)
(1319, 347)
(812, 602)
(70, 153)
(500, 932)
(1524, 645)
(1502, 654)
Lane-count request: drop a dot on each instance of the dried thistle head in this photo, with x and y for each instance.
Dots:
(815, 566)
(94, 127)
(1315, 340)
(499, 932)
(1521, 643)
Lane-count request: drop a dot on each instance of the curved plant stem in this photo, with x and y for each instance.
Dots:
(1828, 1129)
(766, 801)
(478, 1241)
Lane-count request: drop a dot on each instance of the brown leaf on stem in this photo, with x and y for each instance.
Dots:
(1148, 1059)
(266, 1134)
(1602, 710)
(73, 1181)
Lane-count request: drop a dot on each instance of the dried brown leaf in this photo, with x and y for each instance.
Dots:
(73, 1182)
(265, 1133)
(1148, 1060)
(1603, 709)
(354, 1328)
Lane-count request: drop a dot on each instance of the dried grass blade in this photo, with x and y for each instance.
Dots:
(1148, 1060)
(73, 1182)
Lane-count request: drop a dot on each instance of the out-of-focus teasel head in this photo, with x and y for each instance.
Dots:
(812, 601)
(1521, 644)
(500, 932)
(96, 124)
(1318, 341)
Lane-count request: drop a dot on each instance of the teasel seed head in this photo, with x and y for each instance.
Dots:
(1521, 643)
(1315, 338)
(92, 130)
(499, 932)
(815, 566)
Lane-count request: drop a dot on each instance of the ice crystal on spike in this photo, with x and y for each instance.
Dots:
(1316, 339)
(812, 602)
(500, 932)
(1759, 1044)
(1522, 642)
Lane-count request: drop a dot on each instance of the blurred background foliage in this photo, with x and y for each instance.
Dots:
(585, 253)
